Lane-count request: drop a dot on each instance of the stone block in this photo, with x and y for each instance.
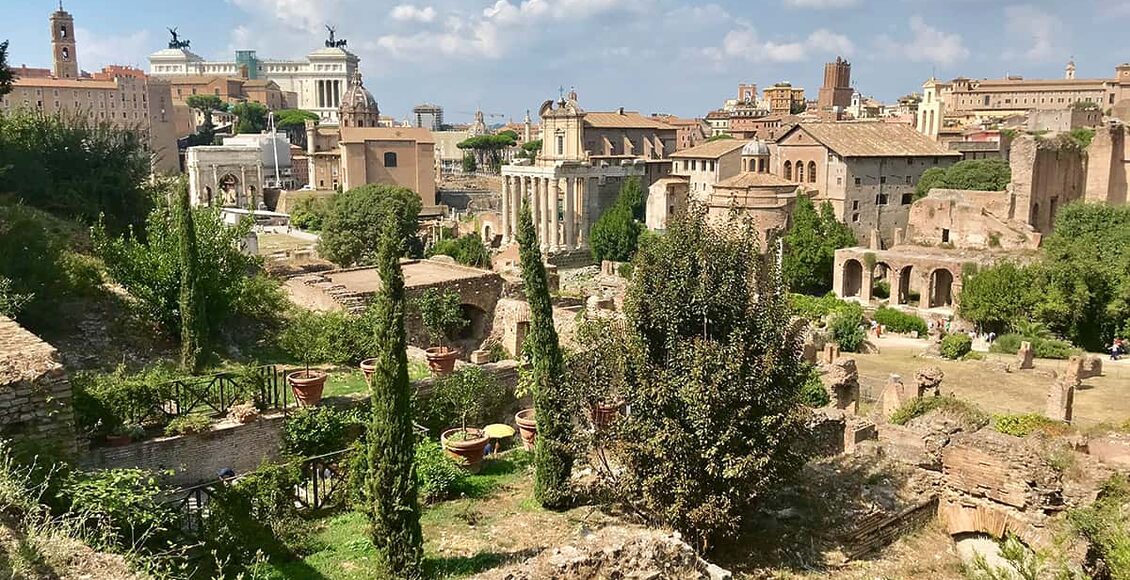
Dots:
(480, 356)
(1092, 367)
(857, 431)
(929, 380)
(1002, 468)
(894, 395)
(831, 353)
(1024, 356)
(1061, 399)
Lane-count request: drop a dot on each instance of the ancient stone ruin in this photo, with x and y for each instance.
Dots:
(929, 381)
(894, 395)
(1024, 356)
(841, 379)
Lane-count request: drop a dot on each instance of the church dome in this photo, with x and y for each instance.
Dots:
(755, 148)
(358, 107)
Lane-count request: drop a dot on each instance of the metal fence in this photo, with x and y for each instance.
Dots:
(214, 394)
(323, 484)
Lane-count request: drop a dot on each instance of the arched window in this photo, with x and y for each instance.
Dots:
(390, 159)
(66, 53)
(788, 170)
(812, 172)
(800, 171)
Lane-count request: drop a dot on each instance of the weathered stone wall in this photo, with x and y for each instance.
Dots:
(968, 220)
(35, 395)
(1045, 177)
(199, 457)
(1108, 165)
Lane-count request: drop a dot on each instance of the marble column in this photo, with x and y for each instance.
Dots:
(554, 216)
(543, 213)
(523, 192)
(506, 208)
(570, 215)
(515, 207)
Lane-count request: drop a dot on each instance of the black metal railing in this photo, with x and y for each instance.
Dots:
(214, 394)
(323, 484)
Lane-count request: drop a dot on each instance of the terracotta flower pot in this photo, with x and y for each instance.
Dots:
(307, 386)
(368, 366)
(527, 427)
(468, 452)
(604, 414)
(441, 359)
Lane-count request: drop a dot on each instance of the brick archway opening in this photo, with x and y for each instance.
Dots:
(853, 278)
(941, 288)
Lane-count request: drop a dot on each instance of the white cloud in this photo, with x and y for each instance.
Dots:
(744, 43)
(410, 13)
(1031, 31)
(925, 44)
(308, 15)
(95, 52)
(821, 4)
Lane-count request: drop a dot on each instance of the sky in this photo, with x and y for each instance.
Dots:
(671, 56)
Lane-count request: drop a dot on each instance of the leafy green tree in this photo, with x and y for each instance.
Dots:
(353, 227)
(553, 458)
(530, 148)
(6, 74)
(615, 235)
(934, 177)
(193, 324)
(251, 117)
(75, 167)
(467, 249)
(293, 123)
(717, 417)
(998, 297)
(810, 247)
(488, 148)
(395, 513)
(149, 265)
(206, 104)
(469, 163)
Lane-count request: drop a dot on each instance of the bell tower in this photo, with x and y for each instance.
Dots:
(63, 44)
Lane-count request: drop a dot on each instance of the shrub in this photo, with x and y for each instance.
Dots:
(1028, 423)
(615, 235)
(810, 247)
(467, 249)
(188, 425)
(847, 329)
(333, 337)
(438, 475)
(254, 515)
(312, 431)
(813, 392)
(969, 415)
(816, 309)
(1049, 348)
(955, 346)
(120, 508)
(899, 321)
(310, 213)
(1105, 525)
(105, 402)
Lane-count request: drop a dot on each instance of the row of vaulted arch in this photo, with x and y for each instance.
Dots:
(939, 289)
(799, 168)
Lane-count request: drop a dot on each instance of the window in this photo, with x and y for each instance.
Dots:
(945, 236)
(839, 181)
(910, 161)
(560, 144)
(907, 198)
(854, 218)
(694, 164)
(812, 172)
(67, 55)
(800, 171)
(62, 32)
(855, 205)
(390, 159)
(881, 199)
(935, 161)
(908, 180)
(882, 179)
(858, 181)
(788, 170)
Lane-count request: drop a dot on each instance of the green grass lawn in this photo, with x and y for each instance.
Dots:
(343, 550)
(352, 382)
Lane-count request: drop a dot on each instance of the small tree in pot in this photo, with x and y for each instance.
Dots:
(470, 390)
(442, 317)
(305, 339)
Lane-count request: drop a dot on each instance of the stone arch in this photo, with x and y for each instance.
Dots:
(880, 274)
(941, 288)
(904, 290)
(812, 172)
(476, 326)
(229, 187)
(488, 234)
(853, 278)
(788, 170)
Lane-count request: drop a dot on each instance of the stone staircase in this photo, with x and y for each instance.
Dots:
(353, 302)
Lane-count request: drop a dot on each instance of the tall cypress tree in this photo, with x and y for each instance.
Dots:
(395, 513)
(193, 323)
(552, 457)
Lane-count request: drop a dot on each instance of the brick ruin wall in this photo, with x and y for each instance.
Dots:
(35, 395)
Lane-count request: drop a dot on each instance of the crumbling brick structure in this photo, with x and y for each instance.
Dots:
(35, 395)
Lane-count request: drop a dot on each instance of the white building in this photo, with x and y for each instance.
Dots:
(236, 173)
(317, 81)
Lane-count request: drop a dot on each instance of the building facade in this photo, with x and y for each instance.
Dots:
(124, 97)
(317, 81)
(836, 92)
(868, 171)
(783, 98)
(584, 158)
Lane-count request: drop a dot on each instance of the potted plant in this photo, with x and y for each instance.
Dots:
(468, 392)
(527, 424)
(442, 316)
(600, 369)
(125, 434)
(304, 337)
(368, 367)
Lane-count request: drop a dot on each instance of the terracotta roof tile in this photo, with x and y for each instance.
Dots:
(869, 139)
(710, 150)
(627, 120)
